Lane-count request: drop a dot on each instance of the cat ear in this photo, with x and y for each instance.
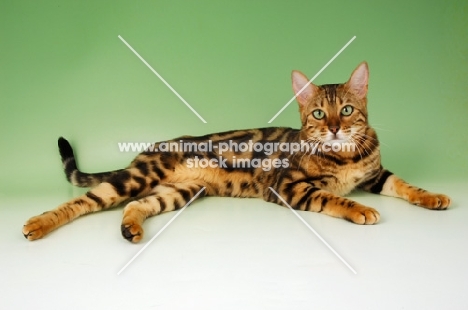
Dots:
(357, 83)
(302, 88)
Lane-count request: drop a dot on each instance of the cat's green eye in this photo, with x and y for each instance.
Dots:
(347, 110)
(318, 114)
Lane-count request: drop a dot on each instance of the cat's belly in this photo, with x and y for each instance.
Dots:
(219, 182)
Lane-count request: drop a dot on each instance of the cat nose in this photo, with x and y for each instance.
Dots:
(334, 129)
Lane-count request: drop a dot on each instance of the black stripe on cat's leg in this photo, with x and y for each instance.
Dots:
(376, 184)
(162, 203)
(142, 167)
(186, 194)
(305, 199)
(135, 191)
(323, 204)
(269, 196)
(97, 199)
(119, 182)
(156, 169)
(301, 191)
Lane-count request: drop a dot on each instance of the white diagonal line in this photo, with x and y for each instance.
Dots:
(312, 79)
(162, 79)
(159, 232)
(313, 230)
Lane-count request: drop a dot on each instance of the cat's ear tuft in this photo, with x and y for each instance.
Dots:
(358, 81)
(303, 90)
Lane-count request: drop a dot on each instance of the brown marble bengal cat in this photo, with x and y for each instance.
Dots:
(308, 179)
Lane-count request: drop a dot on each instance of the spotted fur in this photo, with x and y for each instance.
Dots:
(157, 182)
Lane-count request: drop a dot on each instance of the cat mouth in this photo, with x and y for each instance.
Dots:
(336, 138)
(331, 138)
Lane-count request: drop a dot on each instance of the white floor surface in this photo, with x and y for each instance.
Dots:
(226, 253)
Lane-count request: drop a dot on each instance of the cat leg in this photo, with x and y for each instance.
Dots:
(306, 197)
(101, 197)
(388, 184)
(120, 187)
(164, 198)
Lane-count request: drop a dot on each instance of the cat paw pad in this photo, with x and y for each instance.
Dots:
(132, 232)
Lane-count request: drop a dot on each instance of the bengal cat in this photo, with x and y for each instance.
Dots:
(307, 179)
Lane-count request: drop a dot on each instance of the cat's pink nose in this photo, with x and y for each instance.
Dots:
(334, 129)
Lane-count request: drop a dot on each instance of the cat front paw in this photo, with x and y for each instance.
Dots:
(431, 201)
(38, 226)
(363, 215)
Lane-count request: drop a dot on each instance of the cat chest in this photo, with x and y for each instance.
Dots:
(344, 181)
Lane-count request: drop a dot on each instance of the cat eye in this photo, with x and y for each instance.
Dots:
(318, 114)
(347, 110)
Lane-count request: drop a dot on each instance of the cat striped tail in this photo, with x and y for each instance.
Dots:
(73, 174)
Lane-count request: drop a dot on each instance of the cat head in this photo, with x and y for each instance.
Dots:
(333, 112)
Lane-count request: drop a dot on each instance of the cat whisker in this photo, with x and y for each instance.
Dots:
(366, 148)
(308, 141)
(361, 140)
(380, 128)
(361, 144)
(357, 145)
(366, 139)
(372, 139)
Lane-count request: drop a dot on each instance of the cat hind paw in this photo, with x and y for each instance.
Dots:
(132, 232)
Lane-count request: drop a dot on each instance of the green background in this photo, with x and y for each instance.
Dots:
(64, 72)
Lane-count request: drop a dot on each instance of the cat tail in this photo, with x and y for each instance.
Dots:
(75, 176)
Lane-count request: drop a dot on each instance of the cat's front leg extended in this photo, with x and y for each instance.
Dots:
(388, 184)
(307, 197)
